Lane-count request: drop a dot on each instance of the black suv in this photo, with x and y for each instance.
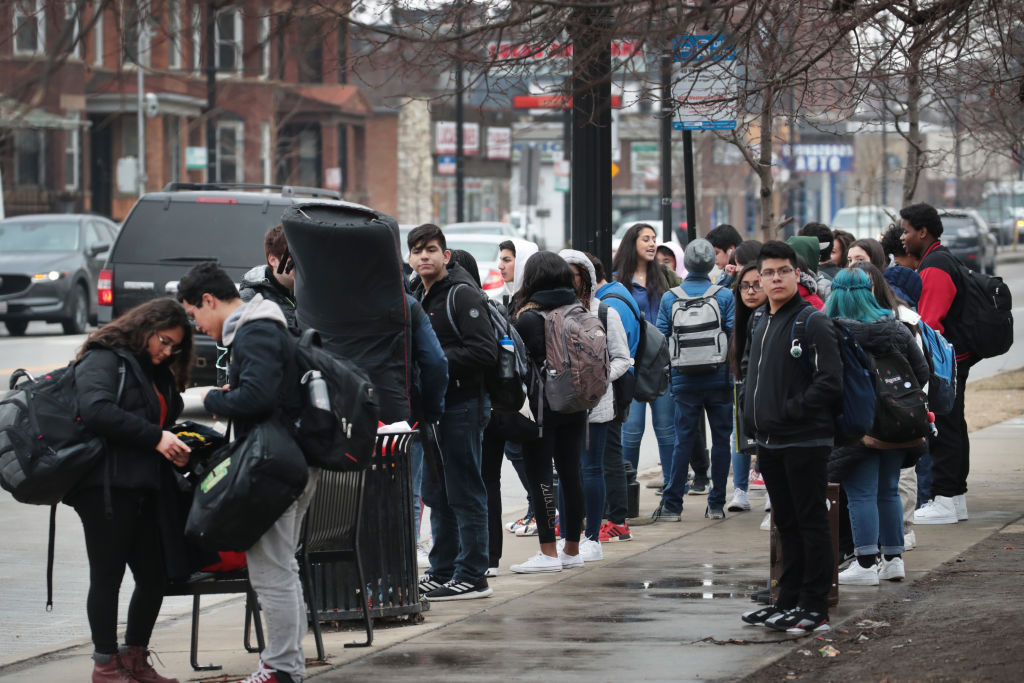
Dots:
(168, 232)
(968, 236)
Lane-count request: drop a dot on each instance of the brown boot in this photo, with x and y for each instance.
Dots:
(109, 671)
(135, 659)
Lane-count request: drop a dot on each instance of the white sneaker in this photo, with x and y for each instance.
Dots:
(740, 501)
(892, 570)
(909, 541)
(590, 550)
(941, 510)
(422, 555)
(960, 505)
(766, 523)
(856, 575)
(570, 561)
(491, 572)
(538, 564)
(767, 503)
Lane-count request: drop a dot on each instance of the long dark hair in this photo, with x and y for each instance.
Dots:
(132, 330)
(883, 292)
(741, 322)
(626, 259)
(844, 240)
(545, 270)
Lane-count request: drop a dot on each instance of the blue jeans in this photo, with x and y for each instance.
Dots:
(924, 479)
(692, 405)
(592, 466)
(740, 466)
(416, 464)
(663, 417)
(454, 490)
(876, 513)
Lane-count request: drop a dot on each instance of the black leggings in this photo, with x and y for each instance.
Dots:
(562, 443)
(130, 538)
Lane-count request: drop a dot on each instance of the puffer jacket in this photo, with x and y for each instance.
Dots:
(131, 426)
(260, 280)
(618, 346)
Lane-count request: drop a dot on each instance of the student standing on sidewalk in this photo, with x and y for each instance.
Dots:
(262, 380)
(788, 405)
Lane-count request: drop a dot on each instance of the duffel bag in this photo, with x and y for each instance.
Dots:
(247, 485)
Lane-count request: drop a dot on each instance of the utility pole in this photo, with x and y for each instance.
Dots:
(460, 171)
(211, 91)
(140, 176)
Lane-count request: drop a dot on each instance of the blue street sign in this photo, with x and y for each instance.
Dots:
(700, 47)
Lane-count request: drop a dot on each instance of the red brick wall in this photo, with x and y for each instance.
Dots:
(381, 163)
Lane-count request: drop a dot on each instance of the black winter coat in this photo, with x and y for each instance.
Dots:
(530, 325)
(131, 426)
(478, 348)
(791, 401)
(260, 280)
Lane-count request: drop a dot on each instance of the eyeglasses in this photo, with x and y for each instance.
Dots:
(750, 287)
(169, 343)
(781, 272)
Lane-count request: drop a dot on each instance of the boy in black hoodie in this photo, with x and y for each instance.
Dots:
(454, 489)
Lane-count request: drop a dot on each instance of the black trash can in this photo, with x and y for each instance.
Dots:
(387, 544)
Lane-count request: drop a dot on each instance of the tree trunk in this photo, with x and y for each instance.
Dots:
(764, 166)
(915, 145)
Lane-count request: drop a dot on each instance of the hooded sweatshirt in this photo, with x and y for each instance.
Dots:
(618, 345)
(808, 249)
(260, 280)
(263, 375)
(677, 250)
(524, 250)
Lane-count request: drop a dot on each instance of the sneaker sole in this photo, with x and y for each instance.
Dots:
(578, 565)
(616, 539)
(857, 582)
(936, 520)
(738, 508)
(691, 492)
(535, 570)
(465, 596)
(806, 632)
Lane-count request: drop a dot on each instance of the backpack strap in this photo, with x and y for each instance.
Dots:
(798, 333)
(449, 307)
(602, 315)
(636, 314)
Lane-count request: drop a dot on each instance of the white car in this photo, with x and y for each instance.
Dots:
(485, 249)
(867, 221)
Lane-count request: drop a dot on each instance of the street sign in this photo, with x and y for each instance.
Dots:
(195, 158)
(816, 157)
(706, 84)
(446, 164)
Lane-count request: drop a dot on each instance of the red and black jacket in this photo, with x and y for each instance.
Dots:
(940, 304)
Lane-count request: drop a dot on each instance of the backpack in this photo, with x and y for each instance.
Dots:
(506, 381)
(856, 412)
(986, 318)
(575, 371)
(942, 363)
(698, 343)
(624, 387)
(651, 364)
(901, 413)
(342, 438)
(45, 450)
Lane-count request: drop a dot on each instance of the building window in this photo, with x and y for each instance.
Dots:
(172, 142)
(229, 40)
(98, 32)
(264, 38)
(174, 34)
(71, 15)
(71, 157)
(343, 156)
(266, 159)
(28, 158)
(132, 14)
(311, 61)
(230, 144)
(29, 27)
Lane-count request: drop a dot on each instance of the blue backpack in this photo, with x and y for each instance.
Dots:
(856, 412)
(942, 363)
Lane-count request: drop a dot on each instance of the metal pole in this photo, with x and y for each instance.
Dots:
(211, 93)
(141, 103)
(691, 197)
(666, 147)
(885, 162)
(460, 179)
(567, 156)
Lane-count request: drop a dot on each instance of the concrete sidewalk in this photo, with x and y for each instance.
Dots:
(664, 606)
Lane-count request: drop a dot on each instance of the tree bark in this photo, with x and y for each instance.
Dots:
(764, 165)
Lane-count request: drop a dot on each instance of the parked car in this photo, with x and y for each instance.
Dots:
(168, 232)
(485, 249)
(1010, 229)
(481, 228)
(867, 221)
(49, 265)
(968, 236)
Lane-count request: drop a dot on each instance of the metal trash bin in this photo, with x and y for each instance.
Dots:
(387, 544)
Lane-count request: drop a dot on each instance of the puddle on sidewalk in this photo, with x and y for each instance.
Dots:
(711, 586)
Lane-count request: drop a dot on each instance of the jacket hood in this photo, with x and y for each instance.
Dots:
(680, 254)
(524, 250)
(257, 308)
(257, 275)
(877, 336)
(808, 248)
(905, 282)
(578, 258)
(809, 281)
(553, 298)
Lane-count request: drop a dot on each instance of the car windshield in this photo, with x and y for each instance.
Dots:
(959, 224)
(851, 221)
(480, 229)
(38, 236)
(483, 252)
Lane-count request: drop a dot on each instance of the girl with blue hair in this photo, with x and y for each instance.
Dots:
(870, 470)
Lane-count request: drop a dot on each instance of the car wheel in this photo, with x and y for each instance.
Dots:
(16, 328)
(78, 313)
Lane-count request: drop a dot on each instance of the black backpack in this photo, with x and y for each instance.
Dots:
(986, 318)
(650, 366)
(901, 413)
(342, 438)
(506, 381)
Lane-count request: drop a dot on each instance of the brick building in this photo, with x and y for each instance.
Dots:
(285, 110)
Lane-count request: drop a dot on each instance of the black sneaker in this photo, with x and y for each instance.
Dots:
(460, 590)
(714, 513)
(757, 617)
(429, 582)
(764, 597)
(698, 488)
(800, 622)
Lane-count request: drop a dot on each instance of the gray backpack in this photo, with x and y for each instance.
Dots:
(697, 340)
(576, 367)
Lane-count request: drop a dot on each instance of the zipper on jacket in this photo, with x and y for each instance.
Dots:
(760, 361)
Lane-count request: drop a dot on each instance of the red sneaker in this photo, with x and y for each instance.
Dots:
(267, 675)
(614, 532)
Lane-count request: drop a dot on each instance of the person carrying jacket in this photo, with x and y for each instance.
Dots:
(940, 306)
(454, 489)
(789, 403)
(697, 394)
(263, 383)
(129, 376)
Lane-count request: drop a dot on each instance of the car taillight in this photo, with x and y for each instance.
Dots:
(493, 280)
(105, 288)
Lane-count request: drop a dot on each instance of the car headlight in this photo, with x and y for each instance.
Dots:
(52, 276)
